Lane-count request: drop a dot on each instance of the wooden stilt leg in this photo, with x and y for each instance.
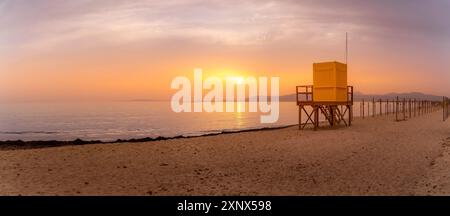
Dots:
(316, 117)
(299, 117)
(331, 116)
(350, 115)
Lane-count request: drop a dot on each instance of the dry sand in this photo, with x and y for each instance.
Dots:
(375, 156)
(438, 177)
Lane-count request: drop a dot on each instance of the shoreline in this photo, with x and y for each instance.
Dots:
(35, 144)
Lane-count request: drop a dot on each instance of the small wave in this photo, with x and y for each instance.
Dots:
(232, 130)
(152, 138)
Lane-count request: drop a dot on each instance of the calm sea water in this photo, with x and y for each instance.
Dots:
(109, 121)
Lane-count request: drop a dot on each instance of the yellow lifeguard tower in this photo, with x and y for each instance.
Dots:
(330, 81)
(329, 95)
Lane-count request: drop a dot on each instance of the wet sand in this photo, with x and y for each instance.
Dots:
(376, 156)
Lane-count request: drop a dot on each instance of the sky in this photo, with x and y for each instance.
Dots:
(125, 50)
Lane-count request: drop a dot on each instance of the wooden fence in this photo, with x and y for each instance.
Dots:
(445, 106)
(402, 109)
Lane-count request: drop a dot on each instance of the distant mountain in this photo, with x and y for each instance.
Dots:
(391, 96)
(357, 96)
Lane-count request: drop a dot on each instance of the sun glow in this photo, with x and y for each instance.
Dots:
(236, 79)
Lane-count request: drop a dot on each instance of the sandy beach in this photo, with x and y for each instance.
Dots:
(375, 156)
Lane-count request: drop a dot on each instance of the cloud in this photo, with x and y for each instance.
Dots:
(46, 24)
(408, 35)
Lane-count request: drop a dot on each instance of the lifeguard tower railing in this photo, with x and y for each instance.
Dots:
(333, 111)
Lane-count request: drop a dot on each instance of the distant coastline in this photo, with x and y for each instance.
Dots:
(358, 96)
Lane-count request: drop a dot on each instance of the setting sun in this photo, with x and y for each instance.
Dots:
(238, 80)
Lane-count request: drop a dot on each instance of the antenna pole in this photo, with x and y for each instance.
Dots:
(346, 48)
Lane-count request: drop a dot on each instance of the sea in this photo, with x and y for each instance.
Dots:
(109, 121)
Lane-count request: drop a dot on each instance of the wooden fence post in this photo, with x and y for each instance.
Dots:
(386, 108)
(404, 109)
(381, 111)
(373, 107)
(409, 107)
(363, 108)
(396, 109)
(360, 109)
